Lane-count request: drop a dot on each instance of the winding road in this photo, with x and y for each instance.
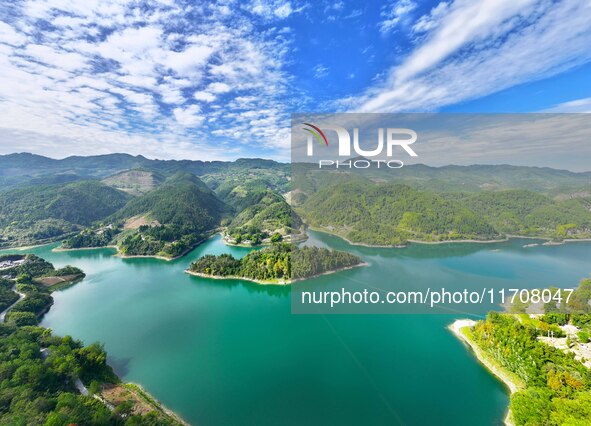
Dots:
(21, 296)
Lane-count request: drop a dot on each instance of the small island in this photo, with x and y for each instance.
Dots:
(280, 263)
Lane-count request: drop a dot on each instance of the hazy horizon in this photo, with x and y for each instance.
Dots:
(288, 162)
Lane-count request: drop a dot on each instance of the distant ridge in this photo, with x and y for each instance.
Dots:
(21, 167)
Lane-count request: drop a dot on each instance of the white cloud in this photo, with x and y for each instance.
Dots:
(393, 13)
(218, 88)
(320, 71)
(430, 21)
(113, 73)
(190, 61)
(204, 96)
(577, 105)
(188, 117)
(57, 58)
(466, 21)
(11, 36)
(270, 9)
(480, 47)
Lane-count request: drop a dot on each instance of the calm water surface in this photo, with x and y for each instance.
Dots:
(231, 352)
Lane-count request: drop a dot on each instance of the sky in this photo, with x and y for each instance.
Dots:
(220, 79)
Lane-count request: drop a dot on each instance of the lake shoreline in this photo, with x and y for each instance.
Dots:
(69, 280)
(457, 328)
(137, 256)
(547, 241)
(263, 282)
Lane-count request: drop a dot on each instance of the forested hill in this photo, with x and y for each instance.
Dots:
(473, 178)
(135, 181)
(267, 215)
(166, 221)
(163, 206)
(183, 200)
(41, 212)
(556, 386)
(390, 214)
(18, 168)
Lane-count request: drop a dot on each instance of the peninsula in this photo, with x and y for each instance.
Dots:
(544, 360)
(74, 381)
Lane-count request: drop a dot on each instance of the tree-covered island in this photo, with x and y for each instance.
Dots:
(280, 263)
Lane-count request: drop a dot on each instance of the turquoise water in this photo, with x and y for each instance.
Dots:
(231, 352)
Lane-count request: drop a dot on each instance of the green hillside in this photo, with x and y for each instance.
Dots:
(22, 168)
(386, 214)
(473, 178)
(166, 221)
(135, 182)
(50, 199)
(241, 184)
(183, 200)
(267, 214)
(523, 212)
(33, 214)
(390, 214)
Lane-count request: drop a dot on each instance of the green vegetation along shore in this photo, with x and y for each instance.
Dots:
(386, 214)
(165, 208)
(267, 219)
(545, 360)
(57, 381)
(164, 222)
(280, 263)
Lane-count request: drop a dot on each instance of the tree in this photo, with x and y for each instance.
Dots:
(21, 319)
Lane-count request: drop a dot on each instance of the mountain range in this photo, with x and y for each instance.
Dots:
(164, 207)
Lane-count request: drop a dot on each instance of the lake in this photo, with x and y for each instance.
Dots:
(230, 352)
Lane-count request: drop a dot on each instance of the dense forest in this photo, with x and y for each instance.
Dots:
(268, 214)
(42, 212)
(37, 391)
(100, 237)
(386, 214)
(557, 386)
(180, 212)
(24, 277)
(37, 387)
(391, 214)
(280, 262)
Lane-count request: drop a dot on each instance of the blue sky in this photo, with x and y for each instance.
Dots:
(219, 79)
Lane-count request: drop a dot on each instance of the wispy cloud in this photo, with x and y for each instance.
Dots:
(470, 48)
(393, 13)
(320, 71)
(161, 72)
(578, 105)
